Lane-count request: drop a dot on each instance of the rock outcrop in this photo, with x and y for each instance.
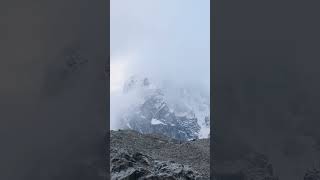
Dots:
(151, 156)
(184, 118)
(140, 166)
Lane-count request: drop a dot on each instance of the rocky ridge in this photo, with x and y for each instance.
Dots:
(155, 114)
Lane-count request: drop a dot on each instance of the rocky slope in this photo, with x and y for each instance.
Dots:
(151, 156)
(156, 157)
(155, 111)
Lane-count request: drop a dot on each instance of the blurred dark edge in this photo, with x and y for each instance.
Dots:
(54, 92)
(264, 84)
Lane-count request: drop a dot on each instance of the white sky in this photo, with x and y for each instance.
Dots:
(162, 39)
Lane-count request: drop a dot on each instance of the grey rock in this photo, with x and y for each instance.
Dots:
(157, 157)
(156, 108)
(139, 166)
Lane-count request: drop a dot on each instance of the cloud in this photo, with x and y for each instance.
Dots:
(166, 40)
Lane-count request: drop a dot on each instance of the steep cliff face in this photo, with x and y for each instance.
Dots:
(154, 111)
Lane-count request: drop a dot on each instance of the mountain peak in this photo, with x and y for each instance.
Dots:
(136, 82)
(177, 112)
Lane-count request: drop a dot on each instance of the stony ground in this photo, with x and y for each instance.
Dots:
(142, 156)
(135, 156)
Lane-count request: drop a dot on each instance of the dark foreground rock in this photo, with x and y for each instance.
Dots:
(139, 156)
(140, 166)
(155, 157)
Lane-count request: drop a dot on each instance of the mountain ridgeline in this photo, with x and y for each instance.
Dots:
(184, 117)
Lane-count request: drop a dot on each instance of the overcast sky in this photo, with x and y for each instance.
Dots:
(162, 39)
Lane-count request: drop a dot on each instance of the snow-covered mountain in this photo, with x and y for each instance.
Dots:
(180, 113)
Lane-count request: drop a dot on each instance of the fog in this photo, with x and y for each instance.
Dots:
(162, 39)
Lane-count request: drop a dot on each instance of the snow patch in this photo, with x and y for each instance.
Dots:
(156, 121)
(204, 132)
(129, 125)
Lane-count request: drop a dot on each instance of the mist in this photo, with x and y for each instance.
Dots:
(164, 40)
(161, 39)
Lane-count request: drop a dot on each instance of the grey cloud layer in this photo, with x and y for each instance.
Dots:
(170, 39)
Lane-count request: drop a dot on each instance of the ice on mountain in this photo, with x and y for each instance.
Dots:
(182, 116)
(156, 121)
